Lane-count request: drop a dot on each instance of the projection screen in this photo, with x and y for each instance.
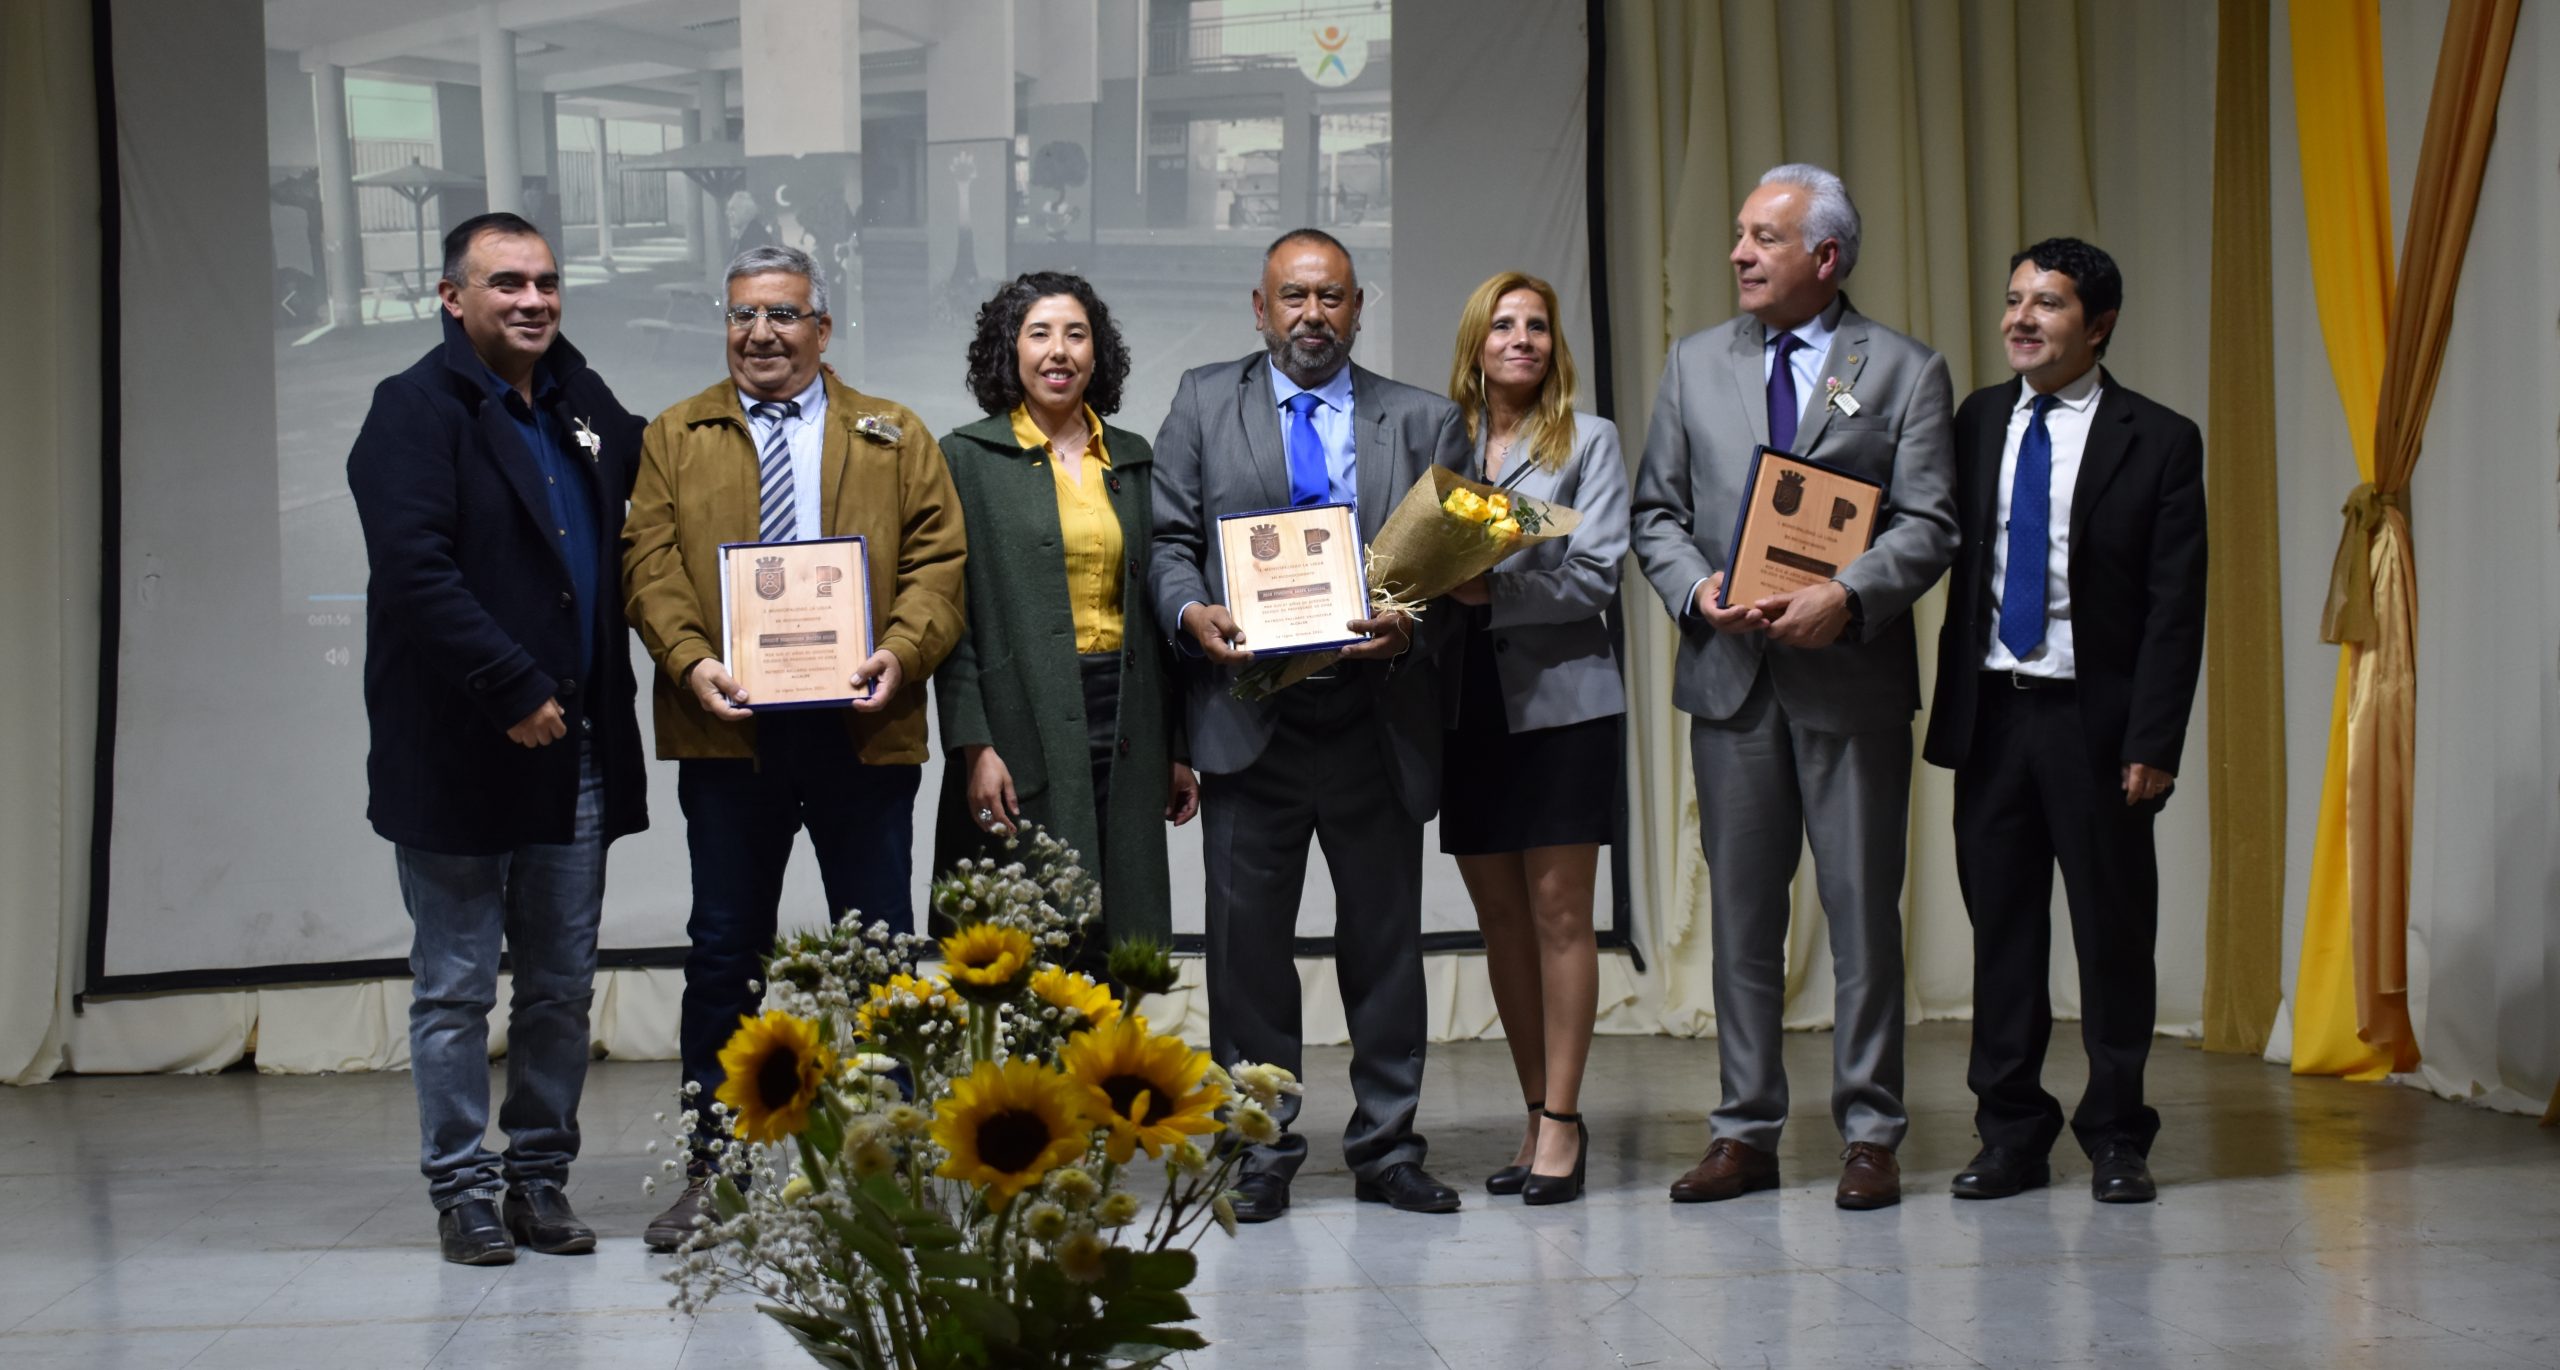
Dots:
(285, 171)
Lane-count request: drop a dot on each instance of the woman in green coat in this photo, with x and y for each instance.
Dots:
(1057, 706)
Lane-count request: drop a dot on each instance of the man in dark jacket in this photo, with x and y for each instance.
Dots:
(2067, 667)
(490, 478)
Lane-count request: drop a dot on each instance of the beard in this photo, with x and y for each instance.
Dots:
(1307, 367)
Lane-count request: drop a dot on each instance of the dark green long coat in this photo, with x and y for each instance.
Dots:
(1014, 684)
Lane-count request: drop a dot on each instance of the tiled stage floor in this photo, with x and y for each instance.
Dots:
(277, 1223)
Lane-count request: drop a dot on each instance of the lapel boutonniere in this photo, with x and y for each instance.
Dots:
(585, 433)
(877, 429)
(1841, 399)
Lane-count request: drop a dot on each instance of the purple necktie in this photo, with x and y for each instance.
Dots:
(1784, 403)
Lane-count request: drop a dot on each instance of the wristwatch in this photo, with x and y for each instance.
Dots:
(1857, 612)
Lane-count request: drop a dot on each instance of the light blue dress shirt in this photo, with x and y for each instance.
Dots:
(1332, 420)
(808, 438)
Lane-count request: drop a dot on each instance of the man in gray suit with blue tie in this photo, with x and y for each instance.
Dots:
(1349, 758)
(1802, 701)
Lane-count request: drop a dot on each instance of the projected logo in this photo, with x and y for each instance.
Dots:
(768, 577)
(1316, 539)
(1334, 54)
(827, 578)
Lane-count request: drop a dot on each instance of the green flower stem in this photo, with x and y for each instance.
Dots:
(809, 1162)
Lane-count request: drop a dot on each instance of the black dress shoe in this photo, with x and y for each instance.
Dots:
(471, 1234)
(1258, 1198)
(539, 1218)
(1508, 1179)
(1996, 1172)
(2119, 1175)
(1407, 1186)
(1558, 1189)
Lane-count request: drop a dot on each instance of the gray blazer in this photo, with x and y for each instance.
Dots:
(1550, 647)
(1711, 410)
(1220, 452)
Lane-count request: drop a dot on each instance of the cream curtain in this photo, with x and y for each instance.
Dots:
(1965, 131)
(49, 522)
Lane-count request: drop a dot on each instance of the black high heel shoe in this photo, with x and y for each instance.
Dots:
(1559, 1189)
(1508, 1179)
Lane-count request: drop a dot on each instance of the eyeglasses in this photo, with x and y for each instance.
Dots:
(784, 318)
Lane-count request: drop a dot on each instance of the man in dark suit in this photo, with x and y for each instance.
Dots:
(1350, 758)
(1801, 701)
(490, 478)
(2066, 670)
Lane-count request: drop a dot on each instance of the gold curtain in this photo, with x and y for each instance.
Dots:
(2244, 682)
(2386, 349)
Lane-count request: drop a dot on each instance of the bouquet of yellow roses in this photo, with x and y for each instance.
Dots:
(998, 1214)
(1447, 530)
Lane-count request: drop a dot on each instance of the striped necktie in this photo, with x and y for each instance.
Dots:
(780, 521)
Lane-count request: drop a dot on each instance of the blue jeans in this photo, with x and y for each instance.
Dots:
(741, 818)
(543, 902)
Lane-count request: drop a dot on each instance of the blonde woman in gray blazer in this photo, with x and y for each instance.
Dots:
(1530, 778)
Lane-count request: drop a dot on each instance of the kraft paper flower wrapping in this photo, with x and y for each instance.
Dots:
(1425, 549)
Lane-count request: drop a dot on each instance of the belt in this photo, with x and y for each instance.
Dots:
(2017, 680)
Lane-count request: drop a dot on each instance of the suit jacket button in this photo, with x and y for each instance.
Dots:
(568, 600)
(1502, 644)
(1124, 746)
(568, 688)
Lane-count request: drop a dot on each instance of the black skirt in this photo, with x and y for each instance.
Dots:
(1502, 791)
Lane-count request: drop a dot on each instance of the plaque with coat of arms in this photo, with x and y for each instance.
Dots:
(795, 620)
(1293, 577)
(1801, 522)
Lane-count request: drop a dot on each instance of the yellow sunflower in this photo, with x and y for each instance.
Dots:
(1008, 1124)
(774, 1066)
(891, 1000)
(987, 960)
(1149, 1090)
(1066, 989)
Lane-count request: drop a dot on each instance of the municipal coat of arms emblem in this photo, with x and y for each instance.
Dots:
(1265, 541)
(769, 577)
(1789, 495)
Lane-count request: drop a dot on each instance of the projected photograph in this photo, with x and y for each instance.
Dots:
(922, 153)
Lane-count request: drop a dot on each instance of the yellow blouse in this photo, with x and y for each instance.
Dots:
(1091, 532)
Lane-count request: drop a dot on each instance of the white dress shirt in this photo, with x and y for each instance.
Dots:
(2067, 423)
(1815, 333)
(808, 438)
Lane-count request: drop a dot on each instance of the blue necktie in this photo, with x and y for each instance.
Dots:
(779, 519)
(1785, 405)
(2022, 601)
(1308, 481)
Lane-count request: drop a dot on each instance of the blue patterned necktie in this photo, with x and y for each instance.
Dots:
(780, 520)
(1785, 405)
(2022, 601)
(1308, 481)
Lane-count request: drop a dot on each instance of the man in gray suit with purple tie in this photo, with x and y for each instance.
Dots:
(1349, 758)
(1801, 702)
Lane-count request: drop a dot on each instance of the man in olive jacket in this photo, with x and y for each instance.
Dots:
(780, 450)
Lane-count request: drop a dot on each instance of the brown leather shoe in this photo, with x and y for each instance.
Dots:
(1729, 1170)
(1870, 1179)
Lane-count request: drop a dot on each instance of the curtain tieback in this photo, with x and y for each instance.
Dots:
(2348, 614)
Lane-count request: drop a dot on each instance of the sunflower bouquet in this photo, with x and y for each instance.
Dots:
(1447, 530)
(928, 1151)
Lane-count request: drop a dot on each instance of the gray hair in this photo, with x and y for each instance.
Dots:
(759, 261)
(1829, 213)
